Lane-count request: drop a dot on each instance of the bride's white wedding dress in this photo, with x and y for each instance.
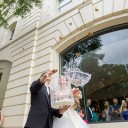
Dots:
(70, 119)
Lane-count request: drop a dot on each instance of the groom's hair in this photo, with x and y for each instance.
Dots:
(42, 74)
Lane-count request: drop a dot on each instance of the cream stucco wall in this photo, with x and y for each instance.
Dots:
(19, 51)
(41, 37)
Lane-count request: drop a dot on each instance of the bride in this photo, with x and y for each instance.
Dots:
(71, 119)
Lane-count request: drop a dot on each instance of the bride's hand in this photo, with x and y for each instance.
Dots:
(63, 109)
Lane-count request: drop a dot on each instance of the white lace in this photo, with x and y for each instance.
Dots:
(70, 119)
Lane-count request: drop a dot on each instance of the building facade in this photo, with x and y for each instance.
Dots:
(39, 42)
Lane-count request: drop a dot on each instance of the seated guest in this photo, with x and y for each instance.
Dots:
(108, 111)
(115, 110)
(81, 112)
(95, 116)
(89, 111)
(103, 116)
(126, 99)
(124, 110)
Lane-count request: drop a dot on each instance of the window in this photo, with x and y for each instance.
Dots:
(11, 31)
(105, 56)
(63, 3)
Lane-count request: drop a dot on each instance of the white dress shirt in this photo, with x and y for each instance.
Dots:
(90, 111)
(48, 89)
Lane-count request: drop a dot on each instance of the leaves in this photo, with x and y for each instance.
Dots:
(16, 8)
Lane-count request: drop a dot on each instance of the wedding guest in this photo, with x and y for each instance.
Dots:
(95, 116)
(124, 110)
(82, 114)
(126, 99)
(115, 110)
(1, 118)
(103, 116)
(108, 111)
(89, 111)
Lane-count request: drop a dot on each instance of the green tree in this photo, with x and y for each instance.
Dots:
(103, 75)
(16, 8)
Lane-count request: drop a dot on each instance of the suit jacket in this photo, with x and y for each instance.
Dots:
(40, 113)
(89, 115)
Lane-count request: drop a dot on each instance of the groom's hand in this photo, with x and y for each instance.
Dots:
(51, 72)
(47, 75)
(63, 109)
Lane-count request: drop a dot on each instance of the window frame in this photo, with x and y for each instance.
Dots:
(11, 31)
(69, 1)
(100, 32)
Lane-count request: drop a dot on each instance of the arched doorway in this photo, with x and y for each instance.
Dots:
(5, 67)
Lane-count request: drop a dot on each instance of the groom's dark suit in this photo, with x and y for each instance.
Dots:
(41, 113)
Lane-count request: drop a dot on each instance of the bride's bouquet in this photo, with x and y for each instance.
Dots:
(77, 96)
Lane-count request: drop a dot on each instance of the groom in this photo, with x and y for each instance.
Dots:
(41, 114)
